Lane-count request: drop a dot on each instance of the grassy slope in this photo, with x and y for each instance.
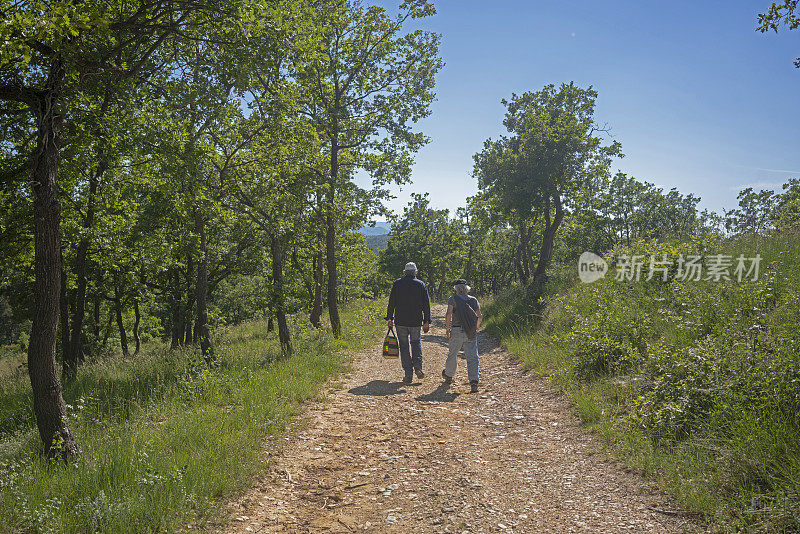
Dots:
(696, 383)
(162, 436)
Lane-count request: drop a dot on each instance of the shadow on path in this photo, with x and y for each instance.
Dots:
(440, 394)
(378, 388)
(432, 338)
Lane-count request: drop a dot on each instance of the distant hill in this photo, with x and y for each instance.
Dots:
(380, 228)
(377, 242)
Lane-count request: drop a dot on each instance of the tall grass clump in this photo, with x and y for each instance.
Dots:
(696, 382)
(163, 436)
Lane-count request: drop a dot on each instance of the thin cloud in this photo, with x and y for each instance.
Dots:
(757, 185)
(762, 169)
(777, 170)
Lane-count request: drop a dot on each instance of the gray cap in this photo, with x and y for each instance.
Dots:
(410, 267)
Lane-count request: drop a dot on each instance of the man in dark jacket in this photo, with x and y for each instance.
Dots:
(409, 309)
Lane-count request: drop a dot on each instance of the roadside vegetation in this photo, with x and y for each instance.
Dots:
(164, 437)
(178, 230)
(697, 383)
(694, 379)
(168, 168)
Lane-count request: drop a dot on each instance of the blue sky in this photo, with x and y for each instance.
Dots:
(699, 100)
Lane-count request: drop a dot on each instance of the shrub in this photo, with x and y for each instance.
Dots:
(698, 381)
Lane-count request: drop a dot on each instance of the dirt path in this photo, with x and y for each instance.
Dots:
(379, 456)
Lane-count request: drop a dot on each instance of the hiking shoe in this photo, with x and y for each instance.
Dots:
(419, 374)
(408, 379)
(447, 379)
(473, 386)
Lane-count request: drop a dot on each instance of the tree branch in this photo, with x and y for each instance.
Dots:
(19, 93)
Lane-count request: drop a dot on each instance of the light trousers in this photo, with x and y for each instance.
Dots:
(459, 342)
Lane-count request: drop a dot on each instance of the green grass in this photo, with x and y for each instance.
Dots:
(12, 361)
(695, 383)
(163, 438)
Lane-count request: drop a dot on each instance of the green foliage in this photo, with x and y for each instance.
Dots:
(163, 436)
(378, 242)
(780, 14)
(785, 214)
(475, 244)
(761, 212)
(754, 212)
(431, 239)
(361, 277)
(242, 298)
(368, 81)
(698, 382)
(176, 114)
(552, 158)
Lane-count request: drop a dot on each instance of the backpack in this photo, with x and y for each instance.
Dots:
(390, 347)
(466, 316)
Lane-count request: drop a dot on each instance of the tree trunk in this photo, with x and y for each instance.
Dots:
(470, 252)
(48, 401)
(64, 310)
(73, 352)
(530, 265)
(330, 250)
(270, 324)
(193, 334)
(123, 337)
(181, 328)
(177, 309)
(330, 229)
(627, 230)
(518, 255)
(280, 297)
(96, 325)
(202, 329)
(188, 315)
(316, 306)
(108, 328)
(548, 238)
(136, 338)
(525, 248)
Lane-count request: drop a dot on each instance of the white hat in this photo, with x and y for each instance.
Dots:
(410, 266)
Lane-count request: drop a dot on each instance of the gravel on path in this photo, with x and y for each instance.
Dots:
(375, 455)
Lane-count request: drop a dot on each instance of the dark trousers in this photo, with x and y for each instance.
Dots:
(410, 360)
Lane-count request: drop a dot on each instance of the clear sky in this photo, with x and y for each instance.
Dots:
(699, 100)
